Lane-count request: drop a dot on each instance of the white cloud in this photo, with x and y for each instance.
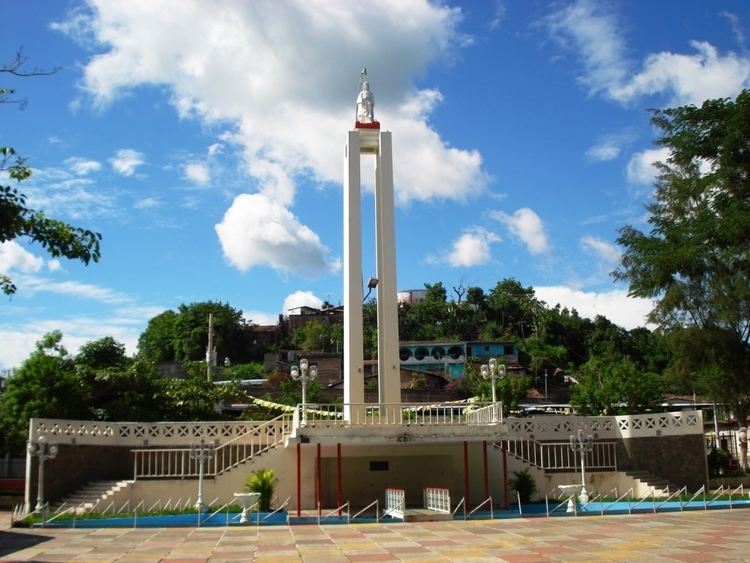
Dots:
(498, 17)
(641, 169)
(19, 341)
(257, 231)
(301, 299)
(526, 225)
(595, 34)
(260, 317)
(628, 312)
(472, 248)
(691, 79)
(606, 150)
(602, 249)
(82, 166)
(54, 265)
(126, 161)
(124, 323)
(147, 203)
(592, 30)
(13, 257)
(30, 285)
(75, 198)
(287, 115)
(197, 172)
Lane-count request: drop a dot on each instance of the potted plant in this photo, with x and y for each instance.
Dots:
(523, 483)
(262, 481)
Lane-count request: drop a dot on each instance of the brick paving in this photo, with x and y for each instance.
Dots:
(716, 535)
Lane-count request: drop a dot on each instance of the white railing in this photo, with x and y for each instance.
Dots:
(557, 456)
(550, 428)
(395, 503)
(490, 414)
(176, 462)
(386, 414)
(559, 428)
(437, 499)
(136, 434)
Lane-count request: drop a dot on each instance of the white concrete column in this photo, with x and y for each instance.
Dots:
(389, 373)
(354, 387)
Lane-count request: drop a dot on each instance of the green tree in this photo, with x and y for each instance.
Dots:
(183, 335)
(615, 386)
(511, 306)
(17, 220)
(157, 343)
(694, 261)
(105, 352)
(311, 336)
(45, 386)
(194, 398)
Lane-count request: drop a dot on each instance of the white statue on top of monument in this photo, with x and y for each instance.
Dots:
(365, 104)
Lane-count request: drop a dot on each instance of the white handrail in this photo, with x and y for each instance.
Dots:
(283, 504)
(546, 502)
(618, 499)
(176, 462)
(674, 494)
(481, 504)
(376, 502)
(461, 503)
(327, 514)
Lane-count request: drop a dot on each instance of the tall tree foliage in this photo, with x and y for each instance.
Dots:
(183, 335)
(46, 385)
(17, 219)
(695, 260)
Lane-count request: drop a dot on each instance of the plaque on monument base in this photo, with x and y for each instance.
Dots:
(370, 125)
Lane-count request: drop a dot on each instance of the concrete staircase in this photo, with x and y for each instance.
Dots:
(97, 494)
(652, 480)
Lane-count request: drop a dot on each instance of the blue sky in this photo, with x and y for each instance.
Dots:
(204, 141)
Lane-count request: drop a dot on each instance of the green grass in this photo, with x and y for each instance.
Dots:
(36, 518)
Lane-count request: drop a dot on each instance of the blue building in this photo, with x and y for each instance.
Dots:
(449, 357)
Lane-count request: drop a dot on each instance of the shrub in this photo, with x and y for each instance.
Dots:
(718, 461)
(523, 483)
(262, 481)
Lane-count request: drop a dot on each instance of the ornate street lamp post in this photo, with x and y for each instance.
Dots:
(201, 452)
(582, 443)
(493, 372)
(44, 452)
(304, 373)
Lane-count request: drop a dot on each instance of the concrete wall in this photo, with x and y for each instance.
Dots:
(409, 467)
(75, 466)
(679, 459)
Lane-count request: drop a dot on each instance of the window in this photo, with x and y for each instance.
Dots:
(378, 466)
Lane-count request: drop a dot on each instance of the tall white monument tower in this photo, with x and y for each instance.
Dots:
(367, 138)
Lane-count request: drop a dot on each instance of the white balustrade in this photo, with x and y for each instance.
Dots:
(137, 434)
(395, 503)
(609, 427)
(176, 462)
(438, 499)
(558, 455)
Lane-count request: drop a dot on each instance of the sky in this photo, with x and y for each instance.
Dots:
(204, 141)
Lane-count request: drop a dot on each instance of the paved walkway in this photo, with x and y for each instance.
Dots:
(719, 535)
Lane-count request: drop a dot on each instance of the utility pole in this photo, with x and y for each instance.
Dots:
(210, 354)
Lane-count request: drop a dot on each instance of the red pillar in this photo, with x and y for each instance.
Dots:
(504, 447)
(467, 491)
(486, 471)
(299, 479)
(317, 480)
(339, 491)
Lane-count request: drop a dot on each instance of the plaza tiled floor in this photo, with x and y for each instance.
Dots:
(719, 535)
